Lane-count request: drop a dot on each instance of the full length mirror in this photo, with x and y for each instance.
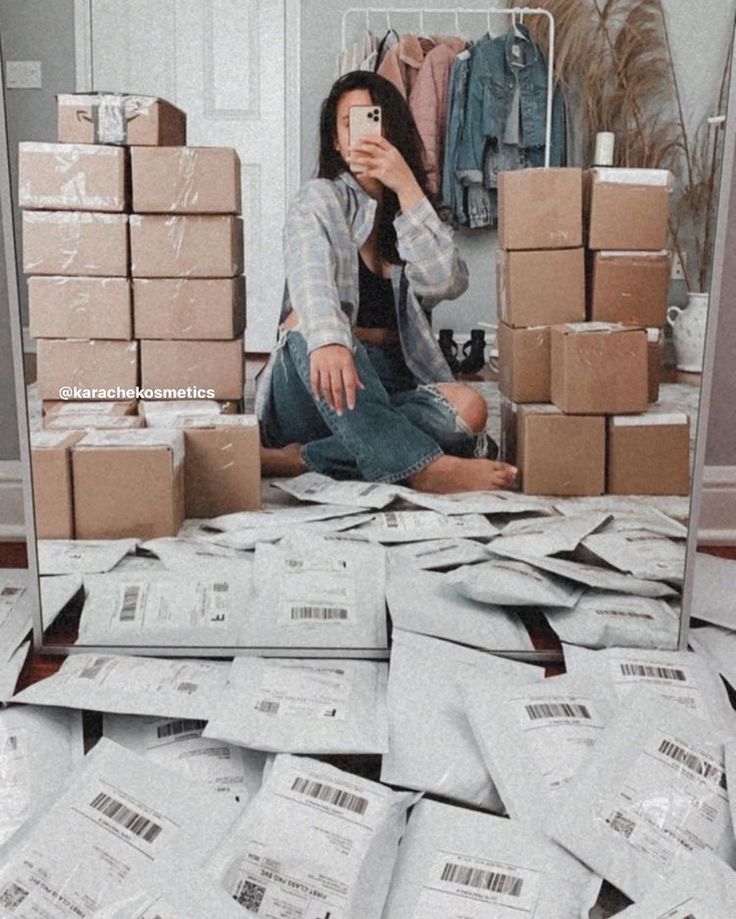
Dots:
(503, 272)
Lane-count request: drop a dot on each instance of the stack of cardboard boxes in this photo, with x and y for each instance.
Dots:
(577, 373)
(133, 244)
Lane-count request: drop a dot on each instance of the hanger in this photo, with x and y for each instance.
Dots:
(517, 31)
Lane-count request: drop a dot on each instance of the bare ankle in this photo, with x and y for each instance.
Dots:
(448, 474)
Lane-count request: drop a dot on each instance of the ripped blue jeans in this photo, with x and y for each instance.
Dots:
(397, 427)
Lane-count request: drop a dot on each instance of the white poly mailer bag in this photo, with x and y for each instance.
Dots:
(16, 619)
(180, 553)
(133, 686)
(120, 816)
(703, 887)
(718, 648)
(81, 556)
(312, 486)
(640, 553)
(533, 738)
(204, 607)
(177, 743)
(549, 535)
(431, 744)
(248, 538)
(478, 502)
(10, 671)
(627, 516)
(603, 619)
(507, 582)
(318, 594)
(652, 792)
(457, 864)
(315, 842)
(714, 586)
(677, 675)
(437, 554)
(57, 591)
(730, 757)
(304, 706)
(413, 526)
(424, 602)
(278, 517)
(39, 749)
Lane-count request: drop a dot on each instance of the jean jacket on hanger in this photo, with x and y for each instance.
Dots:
(327, 224)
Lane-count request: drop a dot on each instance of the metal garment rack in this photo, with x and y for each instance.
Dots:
(516, 13)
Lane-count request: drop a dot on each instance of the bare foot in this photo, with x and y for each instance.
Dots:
(282, 462)
(449, 474)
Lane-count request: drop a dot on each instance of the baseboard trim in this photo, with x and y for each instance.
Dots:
(718, 507)
(11, 501)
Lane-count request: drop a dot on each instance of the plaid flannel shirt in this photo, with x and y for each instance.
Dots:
(327, 224)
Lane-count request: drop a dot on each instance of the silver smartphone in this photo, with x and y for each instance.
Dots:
(364, 119)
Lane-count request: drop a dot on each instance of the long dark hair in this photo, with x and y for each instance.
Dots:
(399, 129)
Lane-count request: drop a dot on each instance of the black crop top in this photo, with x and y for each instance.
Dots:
(376, 306)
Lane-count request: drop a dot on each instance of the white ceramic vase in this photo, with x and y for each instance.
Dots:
(688, 328)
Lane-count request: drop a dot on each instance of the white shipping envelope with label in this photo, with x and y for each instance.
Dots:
(602, 619)
(179, 554)
(309, 706)
(629, 518)
(478, 502)
(133, 686)
(121, 814)
(642, 554)
(431, 744)
(39, 750)
(10, 671)
(423, 602)
(315, 843)
(278, 517)
(56, 592)
(413, 526)
(533, 738)
(318, 594)
(170, 608)
(718, 648)
(312, 486)
(16, 619)
(730, 756)
(177, 743)
(506, 582)
(704, 888)
(652, 792)
(81, 556)
(437, 554)
(457, 864)
(549, 535)
(714, 588)
(676, 675)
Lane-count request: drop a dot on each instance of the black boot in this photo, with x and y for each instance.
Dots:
(474, 352)
(448, 347)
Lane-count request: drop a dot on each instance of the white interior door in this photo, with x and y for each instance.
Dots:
(223, 63)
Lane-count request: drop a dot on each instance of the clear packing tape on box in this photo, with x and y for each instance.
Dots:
(111, 114)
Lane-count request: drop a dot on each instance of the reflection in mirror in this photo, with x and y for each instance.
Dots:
(153, 519)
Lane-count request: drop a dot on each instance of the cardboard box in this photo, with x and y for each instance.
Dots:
(629, 208)
(85, 365)
(114, 118)
(75, 243)
(128, 484)
(178, 365)
(72, 177)
(51, 472)
(543, 287)
(168, 414)
(540, 209)
(649, 454)
(185, 246)
(185, 180)
(630, 287)
(599, 368)
(62, 307)
(223, 465)
(51, 409)
(655, 355)
(524, 363)
(560, 454)
(189, 308)
(93, 422)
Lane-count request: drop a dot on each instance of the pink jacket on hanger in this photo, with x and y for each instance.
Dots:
(402, 61)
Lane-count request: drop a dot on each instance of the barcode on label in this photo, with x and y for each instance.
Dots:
(649, 670)
(621, 824)
(505, 884)
(623, 612)
(267, 707)
(127, 818)
(321, 613)
(92, 671)
(390, 519)
(130, 604)
(343, 799)
(557, 710)
(250, 896)
(176, 728)
(693, 762)
(12, 896)
(220, 588)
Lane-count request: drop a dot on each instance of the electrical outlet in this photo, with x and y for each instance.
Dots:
(677, 273)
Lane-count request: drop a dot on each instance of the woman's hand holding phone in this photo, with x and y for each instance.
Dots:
(333, 377)
(378, 159)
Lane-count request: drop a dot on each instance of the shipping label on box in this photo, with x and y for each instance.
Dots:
(66, 307)
(51, 472)
(119, 119)
(540, 209)
(186, 246)
(72, 177)
(543, 287)
(629, 209)
(524, 363)
(649, 454)
(185, 180)
(75, 243)
(217, 366)
(599, 368)
(630, 287)
(88, 370)
(189, 308)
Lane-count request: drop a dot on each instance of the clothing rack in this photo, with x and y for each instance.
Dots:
(517, 13)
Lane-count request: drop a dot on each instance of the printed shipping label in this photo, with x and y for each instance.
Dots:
(674, 681)
(305, 692)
